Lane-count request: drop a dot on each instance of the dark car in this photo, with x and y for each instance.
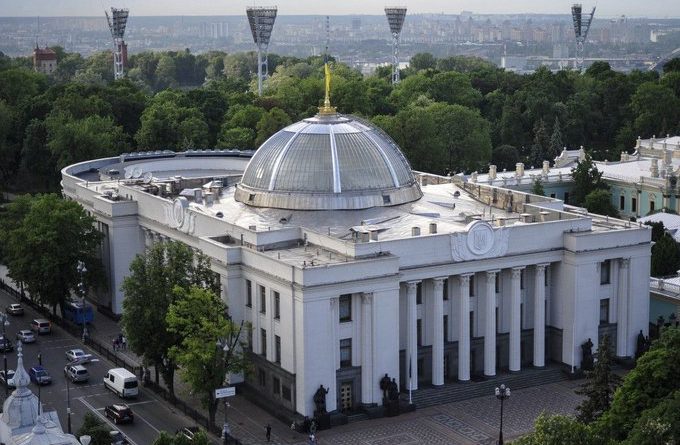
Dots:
(39, 375)
(117, 438)
(189, 432)
(119, 413)
(6, 345)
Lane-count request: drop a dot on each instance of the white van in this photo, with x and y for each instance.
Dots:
(122, 382)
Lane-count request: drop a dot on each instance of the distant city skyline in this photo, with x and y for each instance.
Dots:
(605, 8)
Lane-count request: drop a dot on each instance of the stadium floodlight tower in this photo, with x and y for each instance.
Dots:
(581, 28)
(395, 17)
(117, 21)
(261, 21)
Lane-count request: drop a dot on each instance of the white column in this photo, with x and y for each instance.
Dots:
(622, 309)
(412, 338)
(438, 333)
(490, 324)
(539, 316)
(515, 320)
(464, 328)
(366, 348)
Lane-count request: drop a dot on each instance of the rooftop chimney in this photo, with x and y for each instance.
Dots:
(492, 172)
(519, 169)
(654, 168)
(546, 167)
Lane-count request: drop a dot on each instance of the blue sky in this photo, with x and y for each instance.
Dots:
(605, 8)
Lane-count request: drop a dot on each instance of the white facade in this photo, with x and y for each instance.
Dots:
(498, 278)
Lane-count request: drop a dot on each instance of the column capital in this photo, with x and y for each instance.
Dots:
(517, 272)
(542, 266)
(366, 297)
(491, 274)
(465, 278)
(624, 263)
(412, 284)
(439, 280)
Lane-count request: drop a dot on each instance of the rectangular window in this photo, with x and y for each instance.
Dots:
(277, 349)
(446, 289)
(262, 377)
(345, 352)
(276, 385)
(566, 197)
(285, 392)
(622, 202)
(498, 322)
(604, 311)
(419, 332)
(652, 206)
(552, 195)
(472, 285)
(345, 308)
(446, 328)
(633, 204)
(472, 324)
(419, 293)
(421, 368)
(263, 342)
(521, 316)
(249, 293)
(250, 339)
(277, 305)
(263, 300)
(605, 267)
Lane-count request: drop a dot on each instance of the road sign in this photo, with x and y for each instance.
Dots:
(221, 393)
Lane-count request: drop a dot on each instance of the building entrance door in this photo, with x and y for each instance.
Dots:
(346, 401)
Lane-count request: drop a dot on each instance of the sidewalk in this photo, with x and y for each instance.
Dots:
(246, 421)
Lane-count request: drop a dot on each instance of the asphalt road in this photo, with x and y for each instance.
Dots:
(152, 414)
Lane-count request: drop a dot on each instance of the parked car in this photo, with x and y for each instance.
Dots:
(9, 380)
(26, 336)
(188, 431)
(117, 438)
(6, 345)
(41, 326)
(39, 375)
(119, 413)
(77, 356)
(15, 309)
(76, 373)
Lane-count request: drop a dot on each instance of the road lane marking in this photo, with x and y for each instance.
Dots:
(104, 418)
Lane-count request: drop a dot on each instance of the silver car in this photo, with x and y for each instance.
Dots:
(76, 373)
(26, 336)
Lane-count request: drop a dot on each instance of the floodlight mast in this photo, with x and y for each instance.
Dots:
(581, 28)
(261, 20)
(117, 22)
(395, 18)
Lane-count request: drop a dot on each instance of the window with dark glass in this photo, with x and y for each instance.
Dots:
(263, 342)
(277, 305)
(249, 293)
(285, 392)
(604, 311)
(622, 202)
(419, 332)
(345, 306)
(277, 349)
(276, 385)
(419, 293)
(472, 285)
(262, 377)
(263, 300)
(345, 352)
(566, 197)
(652, 206)
(472, 324)
(633, 204)
(446, 289)
(446, 328)
(605, 272)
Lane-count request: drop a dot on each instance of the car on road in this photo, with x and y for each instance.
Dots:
(76, 373)
(119, 413)
(15, 309)
(6, 345)
(39, 375)
(41, 326)
(117, 438)
(26, 336)
(9, 379)
(189, 432)
(77, 356)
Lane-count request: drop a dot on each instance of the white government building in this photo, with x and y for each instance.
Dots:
(349, 265)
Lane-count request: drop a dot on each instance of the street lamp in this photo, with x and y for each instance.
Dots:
(5, 322)
(223, 344)
(68, 406)
(81, 287)
(502, 393)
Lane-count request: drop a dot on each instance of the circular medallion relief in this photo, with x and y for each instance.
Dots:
(480, 238)
(178, 207)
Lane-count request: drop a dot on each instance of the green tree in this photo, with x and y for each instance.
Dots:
(454, 88)
(148, 295)
(170, 122)
(422, 61)
(64, 234)
(672, 65)
(665, 256)
(586, 178)
(656, 109)
(658, 230)
(556, 143)
(505, 157)
(239, 137)
(559, 430)
(540, 147)
(95, 428)
(9, 147)
(271, 122)
(600, 202)
(209, 348)
(537, 187)
(600, 385)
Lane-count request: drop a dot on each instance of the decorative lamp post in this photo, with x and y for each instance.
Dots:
(502, 393)
(82, 270)
(223, 345)
(5, 322)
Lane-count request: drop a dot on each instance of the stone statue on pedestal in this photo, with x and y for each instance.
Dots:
(587, 355)
(320, 400)
(384, 387)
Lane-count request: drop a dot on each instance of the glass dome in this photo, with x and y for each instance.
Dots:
(328, 162)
